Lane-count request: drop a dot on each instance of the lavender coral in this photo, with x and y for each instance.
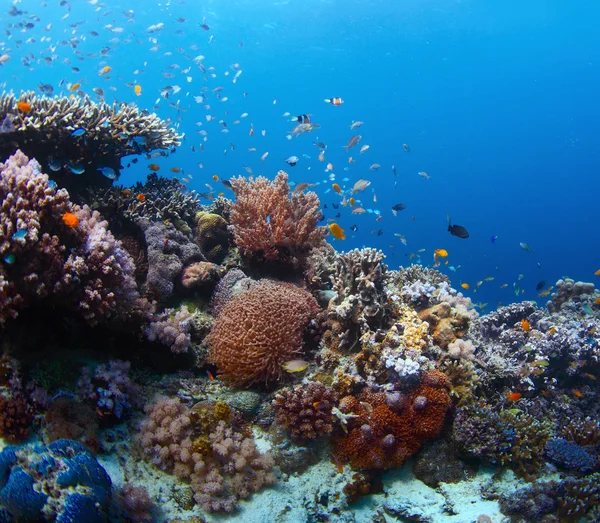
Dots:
(260, 330)
(205, 446)
(268, 222)
(171, 328)
(55, 250)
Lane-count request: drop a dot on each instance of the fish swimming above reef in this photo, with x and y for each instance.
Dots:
(352, 142)
(457, 230)
(292, 160)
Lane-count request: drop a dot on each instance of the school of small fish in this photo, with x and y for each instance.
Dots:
(205, 101)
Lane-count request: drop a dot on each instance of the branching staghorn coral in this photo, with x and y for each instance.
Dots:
(75, 134)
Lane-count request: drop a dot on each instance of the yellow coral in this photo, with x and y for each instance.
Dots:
(211, 236)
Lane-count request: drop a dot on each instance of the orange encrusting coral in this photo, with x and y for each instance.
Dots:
(387, 432)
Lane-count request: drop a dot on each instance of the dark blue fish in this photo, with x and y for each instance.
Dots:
(494, 238)
(55, 165)
(109, 172)
(457, 230)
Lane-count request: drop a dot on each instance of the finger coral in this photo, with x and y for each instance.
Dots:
(267, 222)
(204, 446)
(258, 331)
(80, 267)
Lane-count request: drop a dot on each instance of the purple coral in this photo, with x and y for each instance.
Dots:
(222, 464)
(169, 251)
(52, 249)
(171, 328)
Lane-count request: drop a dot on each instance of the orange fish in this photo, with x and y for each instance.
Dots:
(215, 177)
(141, 198)
(70, 220)
(336, 100)
(251, 131)
(464, 285)
(126, 192)
(577, 394)
(210, 376)
(513, 396)
(176, 169)
(24, 107)
(322, 156)
(137, 89)
(337, 232)
(351, 201)
(597, 273)
(104, 70)
(154, 167)
(336, 188)
(525, 325)
(74, 87)
(597, 301)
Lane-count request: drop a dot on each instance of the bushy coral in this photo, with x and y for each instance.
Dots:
(16, 410)
(200, 275)
(171, 328)
(109, 390)
(204, 446)
(258, 331)
(566, 290)
(383, 430)
(306, 411)
(56, 251)
(270, 223)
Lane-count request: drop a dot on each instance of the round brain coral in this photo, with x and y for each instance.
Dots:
(260, 330)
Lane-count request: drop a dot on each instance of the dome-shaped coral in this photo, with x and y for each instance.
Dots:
(211, 236)
(259, 330)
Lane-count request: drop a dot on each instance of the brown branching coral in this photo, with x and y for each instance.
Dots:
(306, 411)
(267, 222)
(104, 134)
(258, 331)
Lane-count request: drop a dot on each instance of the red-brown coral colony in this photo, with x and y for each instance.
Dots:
(259, 331)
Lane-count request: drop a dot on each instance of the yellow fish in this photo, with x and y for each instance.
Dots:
(293, 366)
(337, 232)
(442, 253)
(464, 285)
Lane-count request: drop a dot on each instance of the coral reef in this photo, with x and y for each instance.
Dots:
(171, 328)
(569, 455)
(56, 251)
(212, 236)
(306, 411)
(204, 447)
(75, 134)
(59, 482)
(260, 330)
(566, 290)
(67, 417)
(232, 284)
(269, 224)
(200, 275)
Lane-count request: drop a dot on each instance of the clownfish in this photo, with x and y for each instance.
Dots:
(334, 101)
(303, 118)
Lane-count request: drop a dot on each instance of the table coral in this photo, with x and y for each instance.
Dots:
(260, 330)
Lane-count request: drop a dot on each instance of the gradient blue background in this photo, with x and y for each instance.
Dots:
(497, 100)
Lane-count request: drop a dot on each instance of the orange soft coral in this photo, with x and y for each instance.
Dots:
(260, 330)
(268, 222)
(384, 430)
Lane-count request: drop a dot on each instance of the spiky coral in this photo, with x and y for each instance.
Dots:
(269, 223)
(258, 331)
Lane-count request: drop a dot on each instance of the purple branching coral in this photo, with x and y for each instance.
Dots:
(306, 411)
(57, 251)
(205, 446)
(109, 390)
(171, 328)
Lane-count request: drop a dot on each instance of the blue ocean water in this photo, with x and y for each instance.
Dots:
(497, 101)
